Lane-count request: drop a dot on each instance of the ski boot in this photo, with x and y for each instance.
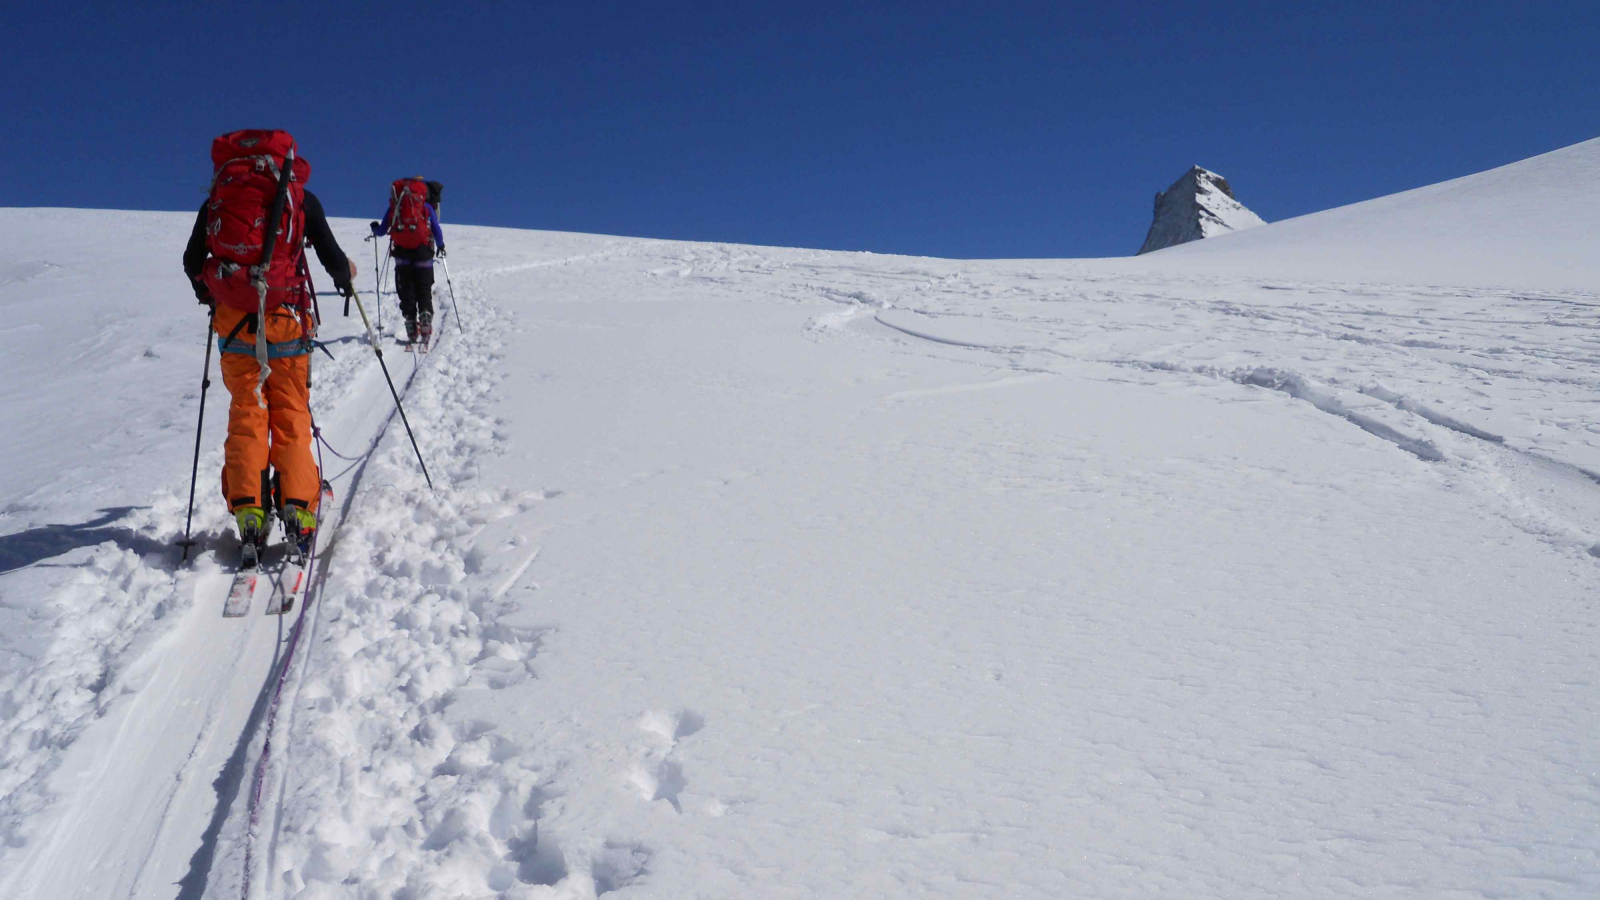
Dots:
(252, 534)
(300, 533)
(411, 333)
(253, 526)
(425, 330)
(300, 527)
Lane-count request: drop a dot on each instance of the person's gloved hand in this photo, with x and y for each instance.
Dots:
(376, 228)
(346, 289)
(440, 254)
(201, 292)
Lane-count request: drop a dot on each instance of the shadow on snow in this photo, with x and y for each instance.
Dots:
(24, 548)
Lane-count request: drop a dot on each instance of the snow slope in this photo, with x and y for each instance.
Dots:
(765, 572)
(1531, 225)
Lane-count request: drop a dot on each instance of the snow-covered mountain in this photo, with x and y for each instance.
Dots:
(763, 572)
(1533, 224)
(1197, 206)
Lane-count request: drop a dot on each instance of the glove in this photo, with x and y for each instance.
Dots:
(201, 292)
(440, 254)
(377, 229)
(346, 289)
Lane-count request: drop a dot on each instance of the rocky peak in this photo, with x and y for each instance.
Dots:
(1198, 205)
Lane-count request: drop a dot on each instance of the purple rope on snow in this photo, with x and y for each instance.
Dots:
(277, 694)
(283, 675)
(317, 433)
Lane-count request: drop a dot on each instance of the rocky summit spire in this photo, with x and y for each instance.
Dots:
(1198, 205)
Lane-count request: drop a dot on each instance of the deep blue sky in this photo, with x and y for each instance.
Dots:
(940, 128)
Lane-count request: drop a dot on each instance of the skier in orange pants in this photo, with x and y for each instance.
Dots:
(268, 374)
(280, 434)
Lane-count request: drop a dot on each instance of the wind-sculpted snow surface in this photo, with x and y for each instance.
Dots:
(757, 572)
(109, 599)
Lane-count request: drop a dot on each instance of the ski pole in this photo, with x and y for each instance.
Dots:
(194, 473)
(394, 393)
(460, 329)
(388, 264)
(452, 287)
(375, 274)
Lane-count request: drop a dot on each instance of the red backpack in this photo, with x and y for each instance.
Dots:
(408, 214)
(249, 165)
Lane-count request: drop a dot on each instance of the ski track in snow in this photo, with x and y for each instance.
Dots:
(1419, 429)
(379, 781)
(112, 613)
(1533, 489)
(390, 778)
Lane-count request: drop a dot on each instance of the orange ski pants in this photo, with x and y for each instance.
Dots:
(279, 435)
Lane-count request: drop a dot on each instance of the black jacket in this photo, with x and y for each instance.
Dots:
(328, 252)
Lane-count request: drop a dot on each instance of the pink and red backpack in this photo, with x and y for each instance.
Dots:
(408, 213)
(249, 167)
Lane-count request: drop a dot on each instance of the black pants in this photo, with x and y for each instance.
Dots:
(413, 281)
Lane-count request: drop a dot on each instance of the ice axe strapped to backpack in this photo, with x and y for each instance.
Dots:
(256, 201)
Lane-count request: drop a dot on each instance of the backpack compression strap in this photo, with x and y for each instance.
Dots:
(259, 273)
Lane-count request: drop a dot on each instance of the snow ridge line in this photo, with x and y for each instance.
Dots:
(611, 251)
(1286, 382)
(1296, 387)
(1526, 511)
(1406, 404)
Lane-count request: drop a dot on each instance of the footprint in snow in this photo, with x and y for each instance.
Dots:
(657, 774)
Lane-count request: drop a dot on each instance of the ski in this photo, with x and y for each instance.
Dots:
(289, 584)
(243, 591)
(294, 574)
